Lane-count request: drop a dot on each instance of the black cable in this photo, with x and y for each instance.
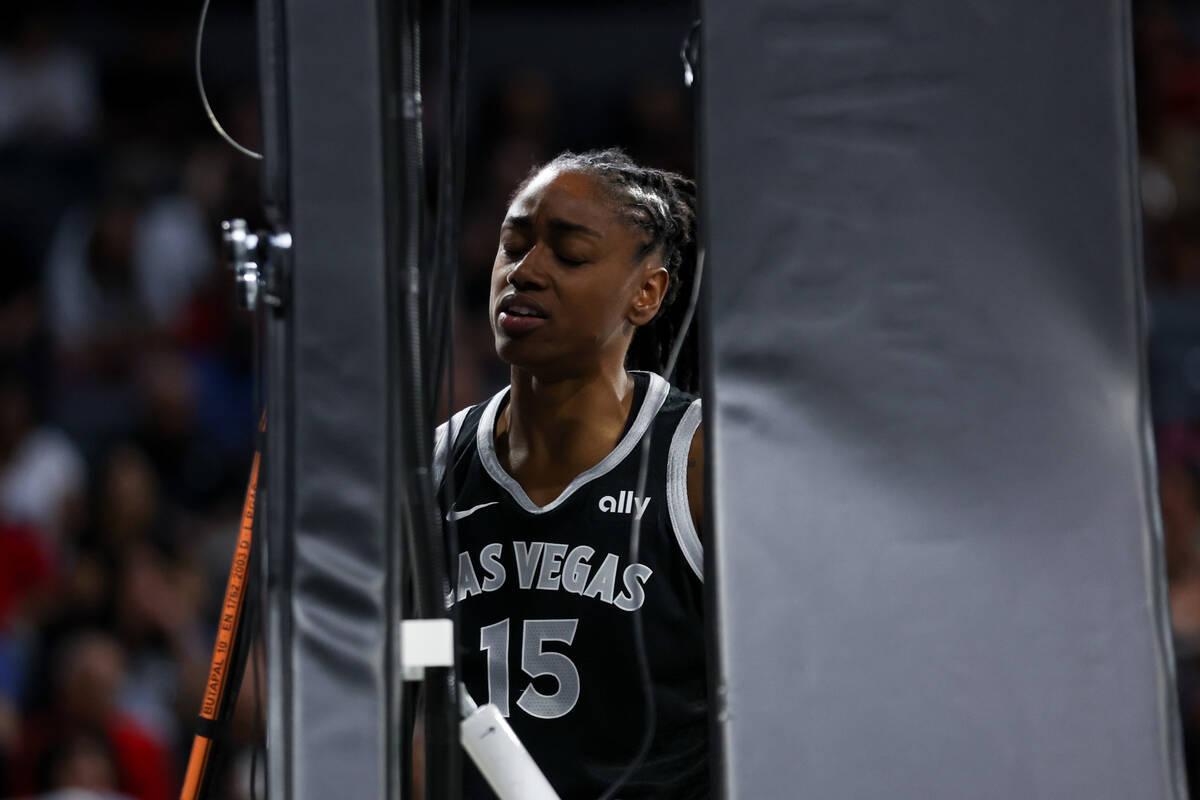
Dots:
(255, 586)
(424, 534)
(258, 744)
(242, 651)
(442, 295)
(688, 53)
(450, 189)
(446, 249)
(212, 117)
(442, 752)
(441, 284)
(635, 529)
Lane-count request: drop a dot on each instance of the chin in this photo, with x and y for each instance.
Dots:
(532, 359)
(516, 353)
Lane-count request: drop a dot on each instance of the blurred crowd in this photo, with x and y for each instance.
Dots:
(126, 385)
(1168, 95)
(125, 397)
(126, 374)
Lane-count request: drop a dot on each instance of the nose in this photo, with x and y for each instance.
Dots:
(526, 274)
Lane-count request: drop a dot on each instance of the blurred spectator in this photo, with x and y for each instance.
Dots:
(87, 671)
(1180, 501)
(47, 87)
(27, 577)
(42, 474)
(128, 508)
(158, 617)
(659, 126)
(1179, 494)
(528, 108)
(97, 306)
(190, 462)
(80, 768)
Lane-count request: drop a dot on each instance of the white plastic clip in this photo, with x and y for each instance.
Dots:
(425, 643)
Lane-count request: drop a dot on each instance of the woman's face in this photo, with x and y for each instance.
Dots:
(568, 288)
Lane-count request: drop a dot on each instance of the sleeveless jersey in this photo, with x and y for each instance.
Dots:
(545, 595)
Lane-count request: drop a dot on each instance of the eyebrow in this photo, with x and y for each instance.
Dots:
(556, 224)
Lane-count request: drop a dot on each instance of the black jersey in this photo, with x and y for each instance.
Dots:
(545, 595)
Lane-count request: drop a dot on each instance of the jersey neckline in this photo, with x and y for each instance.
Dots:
(656, 394)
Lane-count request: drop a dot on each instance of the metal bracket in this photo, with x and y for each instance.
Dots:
(245, 250)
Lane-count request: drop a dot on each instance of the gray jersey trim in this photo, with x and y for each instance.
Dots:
(677, 496)
(443, 443)
(656, 393)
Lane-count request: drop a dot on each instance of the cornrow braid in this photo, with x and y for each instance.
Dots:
(663, 205)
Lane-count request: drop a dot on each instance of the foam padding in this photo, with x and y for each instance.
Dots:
(936, 557)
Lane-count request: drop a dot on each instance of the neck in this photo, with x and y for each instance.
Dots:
(552, 430)
(555, 409)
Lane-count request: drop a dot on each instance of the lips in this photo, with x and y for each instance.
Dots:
(520, 305)
(519, 314)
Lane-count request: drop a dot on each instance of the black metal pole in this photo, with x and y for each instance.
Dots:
(404, 204)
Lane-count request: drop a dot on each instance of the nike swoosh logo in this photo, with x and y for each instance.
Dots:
(454, 514)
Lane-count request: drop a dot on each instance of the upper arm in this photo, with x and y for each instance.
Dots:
(685, 487)
(695, 477)
(444, 439)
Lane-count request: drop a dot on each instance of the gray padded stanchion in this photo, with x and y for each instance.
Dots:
(333, 556)
(936, 558)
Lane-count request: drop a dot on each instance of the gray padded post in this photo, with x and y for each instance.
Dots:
(936, 555)
(333, 555)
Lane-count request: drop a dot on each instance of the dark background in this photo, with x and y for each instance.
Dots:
(126, 414)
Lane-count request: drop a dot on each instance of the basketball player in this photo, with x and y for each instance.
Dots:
(593, 255)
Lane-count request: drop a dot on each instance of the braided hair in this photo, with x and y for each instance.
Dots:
(663, 205)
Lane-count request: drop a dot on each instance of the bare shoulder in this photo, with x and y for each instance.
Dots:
(695, 477)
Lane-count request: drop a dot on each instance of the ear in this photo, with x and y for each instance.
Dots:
(649, 293)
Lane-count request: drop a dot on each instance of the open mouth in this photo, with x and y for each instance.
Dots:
(517, 314)
(523, 311)
(520, 305)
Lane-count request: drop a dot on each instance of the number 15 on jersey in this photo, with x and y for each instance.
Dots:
(536, 661)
